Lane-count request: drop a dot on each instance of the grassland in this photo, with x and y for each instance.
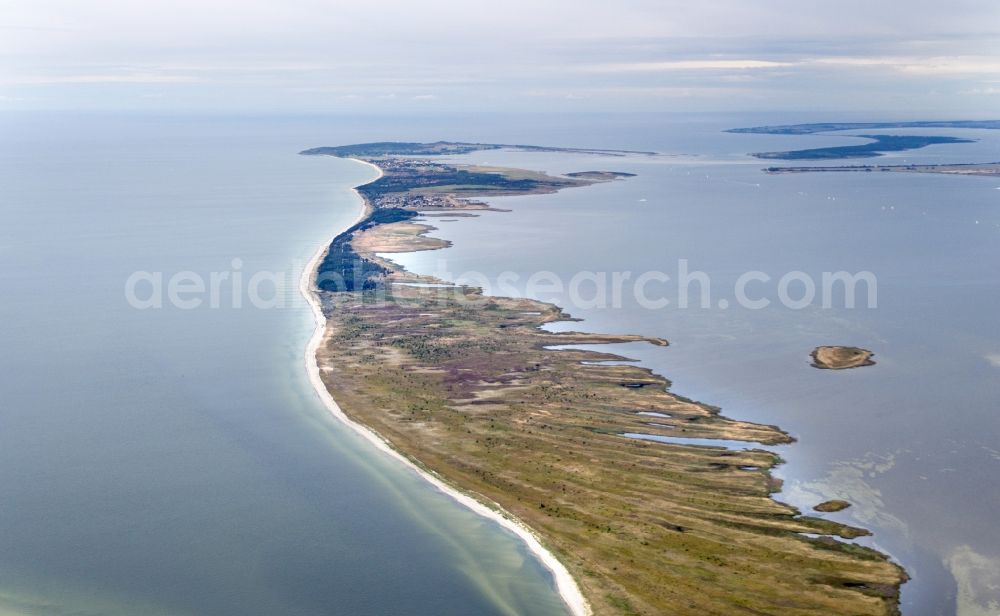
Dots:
(470, 388)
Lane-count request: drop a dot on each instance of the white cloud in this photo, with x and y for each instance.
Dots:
(685, 65)
(99, 79)
(934, 65)
(956, 65)
(628, 55)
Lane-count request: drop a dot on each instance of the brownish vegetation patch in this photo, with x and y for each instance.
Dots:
(841, 357)
(467, 386)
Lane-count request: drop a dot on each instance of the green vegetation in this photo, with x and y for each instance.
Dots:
(342, 269)
(600, 175)
(416, 178)
(647, 528)
(470, 388)
(407, 186)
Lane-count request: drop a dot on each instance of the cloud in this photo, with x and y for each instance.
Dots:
(474, 54)
(933, 65)
(139, 78)
(685, 65)
(994, 359)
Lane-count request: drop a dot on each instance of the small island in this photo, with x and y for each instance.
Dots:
(600, 176)
(841, 357)
(832, 506)
(474, 391)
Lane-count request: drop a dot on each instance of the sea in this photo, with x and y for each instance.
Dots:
(162, 450)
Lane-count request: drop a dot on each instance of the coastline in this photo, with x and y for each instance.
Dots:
(422, 375)
(565, 585)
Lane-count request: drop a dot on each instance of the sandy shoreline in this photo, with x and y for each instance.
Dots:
(566, 586)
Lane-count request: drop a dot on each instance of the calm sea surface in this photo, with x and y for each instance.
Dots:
(913, 442)
(177, 462)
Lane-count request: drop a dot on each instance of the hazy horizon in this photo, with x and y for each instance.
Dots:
(246, 374)
(303, 56)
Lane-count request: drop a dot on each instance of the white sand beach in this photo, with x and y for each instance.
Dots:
(566, 586)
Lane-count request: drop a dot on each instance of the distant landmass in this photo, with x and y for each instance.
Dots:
(976, 169)
(443, 148)
(879, 145)
(841, 358)
(824, 127)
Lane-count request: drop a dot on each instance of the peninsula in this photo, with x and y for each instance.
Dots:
(470, 389)
(442, 148)
(878, 146)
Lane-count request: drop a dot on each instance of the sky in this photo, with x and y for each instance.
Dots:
(912, 57)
